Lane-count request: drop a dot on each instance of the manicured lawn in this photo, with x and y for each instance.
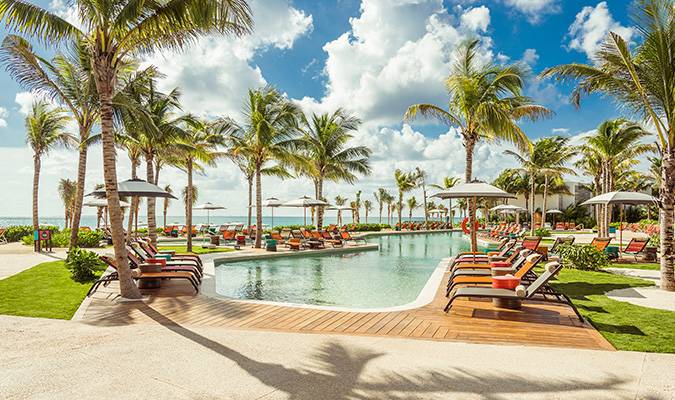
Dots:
(44, 291)
(197, 249)
(651, 266)
(624, 325)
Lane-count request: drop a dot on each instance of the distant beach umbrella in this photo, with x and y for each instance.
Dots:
(304, 202)
(270, 202)
(208, 207)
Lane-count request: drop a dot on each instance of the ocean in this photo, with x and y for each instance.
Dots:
(197, 218)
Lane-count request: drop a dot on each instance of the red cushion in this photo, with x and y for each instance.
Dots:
(157, 261)
(505, 282)
(500, 264)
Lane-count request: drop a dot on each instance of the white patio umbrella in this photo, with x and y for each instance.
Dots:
(621, 198)
(473, 190)
(208, 207)
(438, 211)
(304, 202)
(340, 209)
(104, 203)
(554, 212)
(270, 202)
(507, 208)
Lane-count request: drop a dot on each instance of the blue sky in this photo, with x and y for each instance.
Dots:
(371, 57)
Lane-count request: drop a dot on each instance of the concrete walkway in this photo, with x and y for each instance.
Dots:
(15, 257)
(50, 359)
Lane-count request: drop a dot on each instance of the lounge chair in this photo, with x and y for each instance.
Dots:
(170, 266)
(635, 246)
(3, 238)
(567, 240)
(601, 242)
(346, 237)
(318, 237)
(276, 236)
(516, 261)
(536, 291)
(531, 242)
(152, 250)
(103, 280)
(285, 233)
(486, 276)
(158, 275)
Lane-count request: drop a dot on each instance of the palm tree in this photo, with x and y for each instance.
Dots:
(557, 153)
(389, 199)
(68, 79)
(99, 210)
(412, 205)
(114, 30)
(189, 194)
(271, 126)
(67, 191)
(485, 103)
(326, 153)
(640, 78)
(368, 206)
(167, 200)
(381, 198)
(44, 131)
(357, 207)
(340, 201)
(448, 182)
(590, 164)
(404, 183)
(420, 178)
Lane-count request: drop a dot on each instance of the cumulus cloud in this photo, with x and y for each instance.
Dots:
(395, 55)
(3, 114)
(535, 9)
(591, 26)
(530, 56)
(218, 70)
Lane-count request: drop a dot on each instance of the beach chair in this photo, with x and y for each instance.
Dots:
(536, 291)
(277, 236)
(601, 242)
(485, 277)
(559, 226)
(285, 233)
(345, 236)
(167, 231)
(482, 258)
(635, 246)
(516, 261)
(85, 229)
(152, 250)
(569, 240)
(3, 238)
(316, 236)
(157, 275)
(136, 259)
(103, 280)
(531, 242)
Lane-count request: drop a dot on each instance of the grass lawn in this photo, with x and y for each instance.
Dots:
(651, 266)
(624, 325)
(197, 249)
(44, 291)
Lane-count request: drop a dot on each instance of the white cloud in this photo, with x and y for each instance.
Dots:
(396, 54)
(217, 72)
(530, 56)
(591, 26)
(25, 100)
(535, 9)
(560, 131)
(3, 114)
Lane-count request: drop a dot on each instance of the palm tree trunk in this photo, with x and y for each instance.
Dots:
(249, 179)
(188, 208)
(667, 197)
(36, 184)
(165, 211)
(532, 211)
(319, 195)
(258, 207)
(151, 202)
(106, 76)
(400, 205)
(469, 145)
(380, 221)
(79, 195)
(157, 168)
(134, 203)
(546, 182)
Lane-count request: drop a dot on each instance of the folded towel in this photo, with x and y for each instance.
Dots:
(551, 267)
(532, 257)
(520, 291)
(135, 273)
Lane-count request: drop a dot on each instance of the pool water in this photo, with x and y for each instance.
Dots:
(392, 276)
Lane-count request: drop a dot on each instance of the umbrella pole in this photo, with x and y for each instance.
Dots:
(272, 218)
(620, 225)
(304, 213)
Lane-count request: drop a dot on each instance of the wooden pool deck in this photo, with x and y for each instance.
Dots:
(536, 324)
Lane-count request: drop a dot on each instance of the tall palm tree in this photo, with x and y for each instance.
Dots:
(389, 199)
(590, 164)
(557, 153)
(114, 30)
(340, 201)
(486, 102)
(326, 152)
(616, 142)
(67, 191)
(368, 206)
(448, 182)
(167, 200)
(412, 205)
(69, 80)
(420, 178)
(271, 125)
(405, 182)
(381, 198)
(357, 207)
(640, 78)
(44, 131)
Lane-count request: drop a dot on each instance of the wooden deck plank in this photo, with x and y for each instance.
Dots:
(470, 320)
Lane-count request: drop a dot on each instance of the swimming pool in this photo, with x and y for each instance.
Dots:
(392, 276)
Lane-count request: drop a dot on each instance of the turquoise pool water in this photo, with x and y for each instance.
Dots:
(392, 276)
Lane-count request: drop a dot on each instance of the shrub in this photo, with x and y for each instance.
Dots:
(543, 232)
(584, 257)
(62, 239)
(292, 227)
(82, 264)
(16, 233)
(655, 240)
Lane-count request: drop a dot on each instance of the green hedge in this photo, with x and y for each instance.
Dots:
(62, 239)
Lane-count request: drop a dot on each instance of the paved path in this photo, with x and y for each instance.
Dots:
(15, 257)
(50, 359)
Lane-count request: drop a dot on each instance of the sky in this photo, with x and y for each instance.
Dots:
(374, 58)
